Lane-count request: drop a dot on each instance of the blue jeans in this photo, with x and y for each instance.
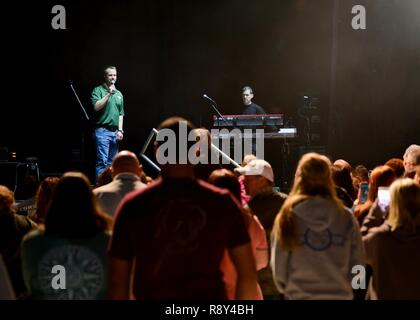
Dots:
(106, 148)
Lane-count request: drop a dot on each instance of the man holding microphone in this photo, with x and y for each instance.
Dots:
(108, 104)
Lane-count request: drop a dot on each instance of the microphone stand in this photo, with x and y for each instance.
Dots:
(78, 100)
(85, 117)
(213, 104)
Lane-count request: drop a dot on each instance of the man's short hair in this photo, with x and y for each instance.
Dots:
(173, 123)
(247, 88)
(109, 67)
(410, 149)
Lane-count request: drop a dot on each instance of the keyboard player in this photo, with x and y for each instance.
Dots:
(250, 107)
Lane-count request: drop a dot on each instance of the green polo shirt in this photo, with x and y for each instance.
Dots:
(114, 108)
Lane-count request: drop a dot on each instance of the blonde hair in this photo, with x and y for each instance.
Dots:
(312, 178)
(404, 210)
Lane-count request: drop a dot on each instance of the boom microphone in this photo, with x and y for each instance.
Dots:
(210, 99)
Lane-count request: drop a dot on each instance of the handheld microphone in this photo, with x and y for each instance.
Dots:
(210, 99)
(112, 83)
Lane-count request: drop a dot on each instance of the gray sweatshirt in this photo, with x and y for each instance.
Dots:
(330, 245)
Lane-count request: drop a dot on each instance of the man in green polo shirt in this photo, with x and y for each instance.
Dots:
(108, 104)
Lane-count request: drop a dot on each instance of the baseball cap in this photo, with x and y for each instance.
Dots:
(257, 167)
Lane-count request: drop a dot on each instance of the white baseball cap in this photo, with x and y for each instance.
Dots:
(257, 167)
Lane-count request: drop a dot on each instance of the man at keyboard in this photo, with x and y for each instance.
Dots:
(250, 107)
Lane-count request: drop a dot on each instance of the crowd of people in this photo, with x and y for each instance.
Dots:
(209, 232)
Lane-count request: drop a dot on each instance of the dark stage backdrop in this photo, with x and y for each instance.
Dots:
(169, 53)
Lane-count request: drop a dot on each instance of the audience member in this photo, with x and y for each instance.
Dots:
(411, 159)
(393, 248)
(43, 198)
(203, 170)
(381, 176)
(397, 165)
(13, 227)
(226, 179)
(126, 171)
(343, 185)
(171, 236)
(315, 239)
(265, 203)
(244, 195)
(75, 236)
(6, 288)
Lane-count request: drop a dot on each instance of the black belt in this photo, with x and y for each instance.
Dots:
(107, 126)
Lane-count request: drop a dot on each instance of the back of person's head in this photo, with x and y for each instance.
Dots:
(397, 165)
(179, 129)
(203, 145)
(43, 198)
(404, 211)
(126, 161)
(381, 176)
(313, 176)
(173, 123)
(362, 173)
(73, 212)
(203, 133)
(342, 178)
(343, 163)
(226, 179)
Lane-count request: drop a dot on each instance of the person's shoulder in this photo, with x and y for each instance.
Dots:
(377, 233)
(220, 195)
(33, 237)
(24, 223)
(99, 87)
(212, 189)
(106, 188)
(144, 192)
(258, 108)
(270, 194)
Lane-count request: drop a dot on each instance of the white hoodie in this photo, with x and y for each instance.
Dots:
(330, 245)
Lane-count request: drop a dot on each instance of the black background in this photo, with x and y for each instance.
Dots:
(169, 53)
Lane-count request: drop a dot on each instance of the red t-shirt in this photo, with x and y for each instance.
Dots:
(177, 230)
